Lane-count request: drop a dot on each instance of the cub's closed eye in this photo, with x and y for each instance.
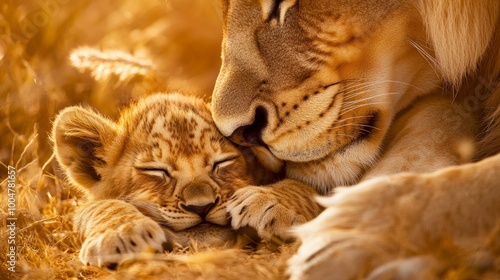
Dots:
(221, 163)
(154, 171)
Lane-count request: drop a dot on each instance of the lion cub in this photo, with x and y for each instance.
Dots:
(162, 167)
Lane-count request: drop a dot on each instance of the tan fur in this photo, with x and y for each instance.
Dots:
(460, 33)
(449, 138)
(346, 89)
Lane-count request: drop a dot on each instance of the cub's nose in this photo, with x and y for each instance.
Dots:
(251, 135)
(199, 198)
(200, 210)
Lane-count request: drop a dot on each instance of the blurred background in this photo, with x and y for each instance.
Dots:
(174, 45)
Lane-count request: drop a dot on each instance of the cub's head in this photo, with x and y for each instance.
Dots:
(164, 155)
(318, 82)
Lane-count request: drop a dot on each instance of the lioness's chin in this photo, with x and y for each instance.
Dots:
(328, 144)
(306, 155)
(342, 167)
(329, 149)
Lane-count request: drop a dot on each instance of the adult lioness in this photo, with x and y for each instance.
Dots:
(320, 82)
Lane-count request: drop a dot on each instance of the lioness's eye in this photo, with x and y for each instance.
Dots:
(224, 162)
(275, 10)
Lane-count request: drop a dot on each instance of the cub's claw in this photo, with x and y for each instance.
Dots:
(258, 208)
(111, 247)
(273, 210)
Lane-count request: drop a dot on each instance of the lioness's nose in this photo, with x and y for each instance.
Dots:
(234, 98)
(251, 135)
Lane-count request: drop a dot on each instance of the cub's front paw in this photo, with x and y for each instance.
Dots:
(109, 248)
(273, 210)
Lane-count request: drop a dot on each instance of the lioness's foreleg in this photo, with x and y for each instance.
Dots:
(455, 210)
(435, 132)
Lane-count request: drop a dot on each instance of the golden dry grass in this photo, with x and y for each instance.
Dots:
(145, 46)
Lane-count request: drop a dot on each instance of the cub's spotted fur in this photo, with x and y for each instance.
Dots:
(163, 174)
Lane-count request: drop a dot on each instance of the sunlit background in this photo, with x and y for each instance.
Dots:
(180, 37)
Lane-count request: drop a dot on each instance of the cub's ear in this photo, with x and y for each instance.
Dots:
(80, 138)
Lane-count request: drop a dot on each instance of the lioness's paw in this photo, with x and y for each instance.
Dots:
(349, 255)
(365, 233)
(338, 255)
(262, 209)
(109, 248)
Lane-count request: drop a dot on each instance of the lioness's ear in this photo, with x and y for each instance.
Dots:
(80, 138)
